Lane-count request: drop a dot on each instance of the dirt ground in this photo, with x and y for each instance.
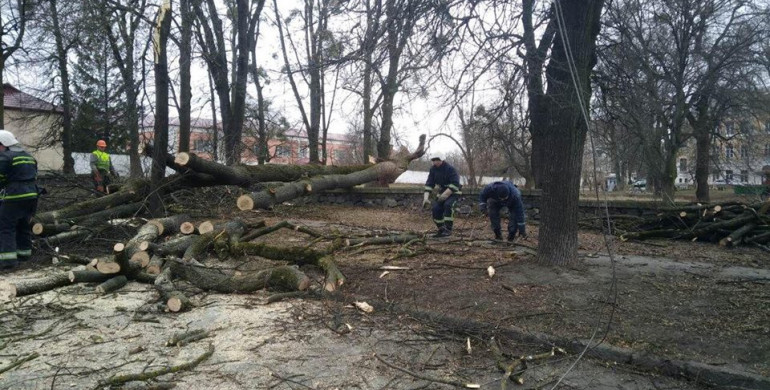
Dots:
(679, 300)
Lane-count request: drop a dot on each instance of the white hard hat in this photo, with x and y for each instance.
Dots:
(7, 138)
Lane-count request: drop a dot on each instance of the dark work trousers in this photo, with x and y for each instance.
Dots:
(493, 207)
(444, 212)
(15, 229)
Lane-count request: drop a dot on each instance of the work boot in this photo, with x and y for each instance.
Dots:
(443, 232)
(511, 237)
(498, 235)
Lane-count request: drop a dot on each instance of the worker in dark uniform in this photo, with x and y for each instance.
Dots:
(496, 195)
(102, 169)
(445, 176)
(18, 180)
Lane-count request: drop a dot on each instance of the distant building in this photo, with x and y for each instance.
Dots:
(740, 154)
(291, 148)
(35, 123)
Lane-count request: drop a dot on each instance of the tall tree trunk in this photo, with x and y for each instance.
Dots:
(564, 131)
(534, 60)
(215, 129)
(160, 38)
(61, 57)
(185, 61)
(368, 111)
(702, 162)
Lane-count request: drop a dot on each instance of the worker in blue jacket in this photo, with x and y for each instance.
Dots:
(496, 195)
(445, 176)
(18, 181)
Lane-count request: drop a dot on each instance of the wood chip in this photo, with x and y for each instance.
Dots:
(364, 307)
(382, 275)
(394, 268)
(491, 271)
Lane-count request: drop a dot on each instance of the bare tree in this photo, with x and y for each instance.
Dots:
(211, 37)
(14, 16)
(668, 64)
(160, 132)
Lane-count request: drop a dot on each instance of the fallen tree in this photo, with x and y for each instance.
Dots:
(148, 257)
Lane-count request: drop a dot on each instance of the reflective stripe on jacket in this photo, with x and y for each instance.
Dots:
(18, 173)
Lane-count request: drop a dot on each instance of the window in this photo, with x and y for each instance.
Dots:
(203, 145)
(682, 164)
(304, 151)
(744, 176)
(339, 155)
(729, 151)
(744, 151)
(282, 151)
(728, 176)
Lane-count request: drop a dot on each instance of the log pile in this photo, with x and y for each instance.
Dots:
(728, 224)
(165, 251)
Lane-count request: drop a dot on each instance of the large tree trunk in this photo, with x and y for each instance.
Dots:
(702, 160)
(185, 61)
(564, 129)
(385, 171)
(534, 60)
(161, 31)
(61, 57)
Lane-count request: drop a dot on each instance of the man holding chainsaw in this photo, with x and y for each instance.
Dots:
(101, 167)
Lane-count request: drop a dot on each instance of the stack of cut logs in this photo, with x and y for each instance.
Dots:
(172, 248)
(729, 224)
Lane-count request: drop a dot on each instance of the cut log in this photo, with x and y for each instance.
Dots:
(77, 233)
(170, 225)
(8, 290)
(112, 284)
(205, 227)
(736, 237)
(187, 228)
(155, 265)
(280, 225)
(45, 230)
(108, 266)
(398, 239)
(87, 276)
(299, 256)
(177, 302)
(174, 247)
(134, 191)
(283, 278)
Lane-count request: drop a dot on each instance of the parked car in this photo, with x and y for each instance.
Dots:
(640, 183)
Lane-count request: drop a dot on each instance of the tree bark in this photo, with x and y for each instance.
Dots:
(279, 278)
(160, 131)
(564, 129)
(185, 62)
(61, 59)
(269, 197)
(702, 163)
